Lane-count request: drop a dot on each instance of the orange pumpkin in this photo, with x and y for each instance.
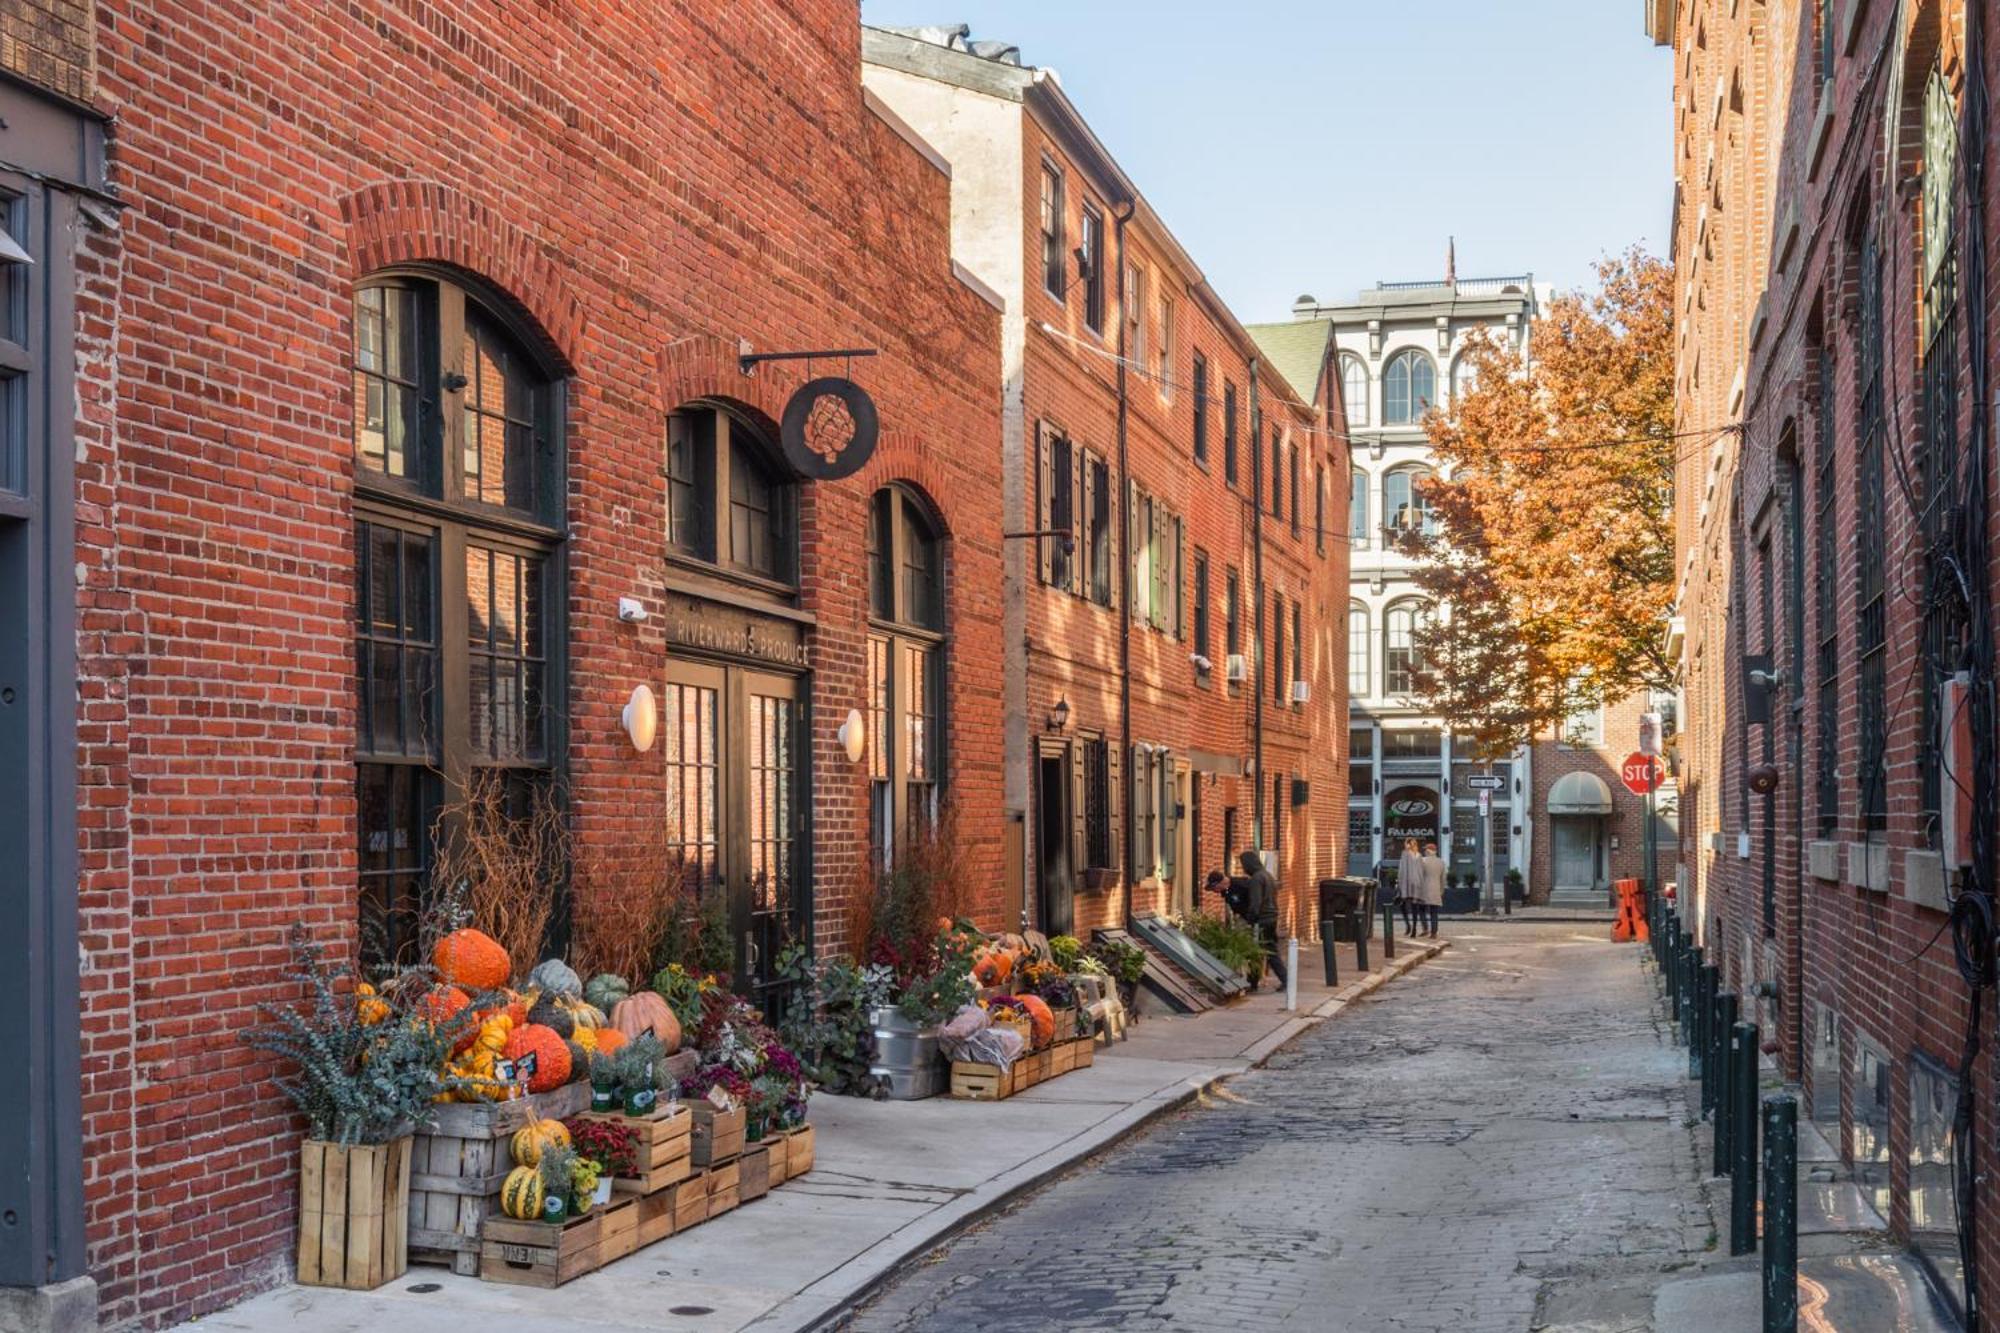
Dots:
(472, 959)
(1041, 1018)
(647, 1011)
(551, 1054)
(992, 968)
(609, 1039)
(441, 1004)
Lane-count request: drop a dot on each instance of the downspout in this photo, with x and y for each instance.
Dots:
(1124, 611)
(1257, 591)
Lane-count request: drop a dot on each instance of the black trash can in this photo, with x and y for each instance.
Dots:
(1346, 906)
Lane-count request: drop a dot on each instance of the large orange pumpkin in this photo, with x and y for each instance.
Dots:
(993, 967)
(472, 959)
(1041, 1018)
(441, 1004)
(551, 1054)
(609, 1039)
(647, 1011)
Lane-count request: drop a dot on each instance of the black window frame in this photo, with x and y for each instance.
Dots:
(1826, 564)
(1870, 552)
(1099, 581)
(1091, 243)
(725, 439)
(905, 797)
(1203, 640)
(1054, 231)
(1199, 377)
(1231, 463)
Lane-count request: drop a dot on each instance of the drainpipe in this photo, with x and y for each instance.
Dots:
(1257, 592)
(1124, 612)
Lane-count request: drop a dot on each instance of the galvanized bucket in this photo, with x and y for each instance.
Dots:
(906, 1056)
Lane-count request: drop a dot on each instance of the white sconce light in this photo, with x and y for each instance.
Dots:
(853, 736)
(641, 718)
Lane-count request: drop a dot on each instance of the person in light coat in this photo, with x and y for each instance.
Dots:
(1410, 885)
(1433, 894)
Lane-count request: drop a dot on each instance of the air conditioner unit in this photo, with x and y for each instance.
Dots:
(1302, 691)
(1238, 669)
(1201, 663)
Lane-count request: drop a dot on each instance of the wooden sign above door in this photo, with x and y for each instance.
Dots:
(717, 629)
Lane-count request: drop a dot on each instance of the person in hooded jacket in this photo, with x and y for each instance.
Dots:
(1410, 884)
(1260, 909)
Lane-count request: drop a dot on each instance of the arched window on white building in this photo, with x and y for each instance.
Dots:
(1354, 389)
(1409, 387)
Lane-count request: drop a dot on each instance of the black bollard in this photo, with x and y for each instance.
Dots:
(1703, 1036)
(1742, 1118)
(1358, 920)
(1673, 970)
(1326, 952)
(1781, 1218)
(1388, 933)
(1716, 1086)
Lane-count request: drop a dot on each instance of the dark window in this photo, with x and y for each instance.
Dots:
(1202, 642)
(1409, 387)
(1229, 463)
(906, 653)
(1279, 689)
(1823, 11)
(1945, 616)
(1052, 232)
(1097, 798)
(1093, 267)
(1277, 475)
(1200, 397)
(1826, 564)
(1298, 642)
(1293, 491)
(1229, 839)
(1870, 609)
(1413, 743)
(1361, 761)
(1405, 506)
(1319, 509)
(1059, 510)
(1180, 581)
(1097, 527)
(1232, 613)
(1278, 788)
(458, 631)
(711, 454)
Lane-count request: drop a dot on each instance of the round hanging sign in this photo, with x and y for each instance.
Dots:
(829, 429)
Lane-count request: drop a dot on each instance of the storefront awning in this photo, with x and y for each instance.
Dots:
(1579, 794)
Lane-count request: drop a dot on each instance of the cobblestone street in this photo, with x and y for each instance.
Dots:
(1497, 1143)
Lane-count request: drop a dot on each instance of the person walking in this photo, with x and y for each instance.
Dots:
(1433, 897)
(1410, 885)
(1260, 908)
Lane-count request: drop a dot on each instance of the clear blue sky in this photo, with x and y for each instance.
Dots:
(1535, 131)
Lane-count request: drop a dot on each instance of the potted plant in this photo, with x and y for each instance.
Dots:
(1517, 888)
(905, 1033)
(367, 1069)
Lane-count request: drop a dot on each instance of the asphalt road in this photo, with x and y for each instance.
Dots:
(1495, 1142)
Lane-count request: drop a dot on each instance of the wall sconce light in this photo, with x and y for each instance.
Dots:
(853, 736)
(1059, 716)
(641, 718)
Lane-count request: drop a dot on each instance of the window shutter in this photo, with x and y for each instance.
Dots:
(1079, 841)
(1079, 582)
(1113, 799)
(1111, 544)
(1170, 816)
(1180, 579)
(1138, 543)
(1044, 502)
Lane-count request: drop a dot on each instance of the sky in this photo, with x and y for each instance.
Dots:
(1321, 146)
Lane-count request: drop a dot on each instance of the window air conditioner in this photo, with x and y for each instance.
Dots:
(1302, 691)
(1238, 669)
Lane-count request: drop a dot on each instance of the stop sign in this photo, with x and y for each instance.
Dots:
(1642, 773)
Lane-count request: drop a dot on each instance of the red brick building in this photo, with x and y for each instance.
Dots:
(407, 348)
(1174, 685)
(1835, 524)
(1589, 828)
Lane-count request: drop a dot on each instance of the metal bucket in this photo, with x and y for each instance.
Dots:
(906, 1056)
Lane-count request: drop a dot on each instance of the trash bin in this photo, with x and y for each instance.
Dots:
(1346, 906)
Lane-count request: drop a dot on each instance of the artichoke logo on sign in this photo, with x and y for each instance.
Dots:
(1409, 812)
(830, 428)
(1411, 809)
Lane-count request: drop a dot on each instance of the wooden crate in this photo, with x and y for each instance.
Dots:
(661, 1143)
(457, 1166)
(778, 1144)
(1062, 1058)
(691, 1202)
(539, 1254)
(798, 1151)
(656, 1216)
(617, 1228)
(717, 1135)
(975, 1082)
(753, 1173)
(1085, 1051)
(724, 1188)
(353, 1213)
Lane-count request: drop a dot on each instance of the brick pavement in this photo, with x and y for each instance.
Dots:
(1497, 1144)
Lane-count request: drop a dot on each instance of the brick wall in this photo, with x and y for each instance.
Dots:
(648, 189)
(1626, 824)
(48, 43)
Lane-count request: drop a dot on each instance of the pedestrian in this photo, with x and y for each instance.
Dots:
(1260, 908)
(1434, 872)
(1410, 885)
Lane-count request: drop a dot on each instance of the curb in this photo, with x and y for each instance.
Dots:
(813, 1311)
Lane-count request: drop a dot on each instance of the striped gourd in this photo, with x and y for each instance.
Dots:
(531, 1138)
(521, 1194)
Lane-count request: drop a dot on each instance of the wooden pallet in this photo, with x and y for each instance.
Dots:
(457, 1166)
(662, 1146)
(539, 1254)
(352, 1214)
(1163, 977)
(718, 1135)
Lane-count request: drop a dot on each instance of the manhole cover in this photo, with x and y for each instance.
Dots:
(690, 1309)
(423, 1288)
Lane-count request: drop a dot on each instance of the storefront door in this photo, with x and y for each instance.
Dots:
(1055, 877)
(734, 772)
(1576, 852)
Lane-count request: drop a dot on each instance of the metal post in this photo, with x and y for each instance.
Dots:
(1781, 1219)
(1326, 951)
(1360, 920)
(1742, 1119)
(1714, 1039)
(1721, 1068)
(1388, 933)
(1672, 969)
(1703, 990)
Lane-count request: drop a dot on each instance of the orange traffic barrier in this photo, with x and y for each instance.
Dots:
(1631, 923)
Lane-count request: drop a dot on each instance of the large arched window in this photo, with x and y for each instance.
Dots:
(1409, 387)
(1400, 660)
(1358, 650)
(1357, 508)
(1354, 389)
(458, 482)
(730, 503)
(1464, 379)
(906, 650)
(1404, 506)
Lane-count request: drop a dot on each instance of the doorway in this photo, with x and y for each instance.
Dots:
(734, 773)
(1055, 881)
(1576, 853)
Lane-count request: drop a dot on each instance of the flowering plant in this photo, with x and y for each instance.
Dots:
(613, 1145)
(710, 1077)
(686, 992)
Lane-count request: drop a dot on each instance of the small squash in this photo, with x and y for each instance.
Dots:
(529, 1140)
(605, 990)
(609, 1039)
(521, 1194)
(472, 959)
(369, 1007)
(646, 1011)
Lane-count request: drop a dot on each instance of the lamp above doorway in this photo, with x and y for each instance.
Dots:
(641, 718)
(853, 736)
(1059, 716)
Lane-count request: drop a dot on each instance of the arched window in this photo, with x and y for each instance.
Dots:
(1464, 379)
(458, 493)
(1409, 386)
(1400, 660)
(906, 651)
(1357, 509)
(1354, 389)
(1404, 506)
(730, 503)
(1357, 650)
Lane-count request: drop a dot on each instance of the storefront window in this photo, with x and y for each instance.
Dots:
(714, 455)
(906, 654)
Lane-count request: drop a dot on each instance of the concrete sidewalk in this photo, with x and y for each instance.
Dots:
(892, 1180)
